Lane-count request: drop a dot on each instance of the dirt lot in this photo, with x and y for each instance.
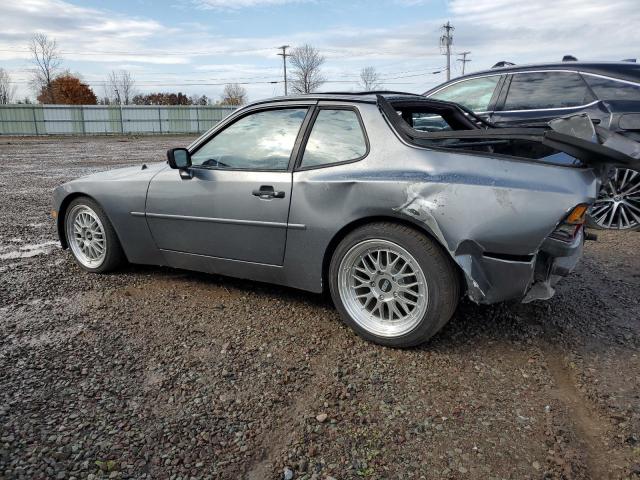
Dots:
(158, 373)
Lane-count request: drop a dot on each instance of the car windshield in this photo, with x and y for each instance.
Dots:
(475, 94)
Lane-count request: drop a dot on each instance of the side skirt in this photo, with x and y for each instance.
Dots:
(232, 268)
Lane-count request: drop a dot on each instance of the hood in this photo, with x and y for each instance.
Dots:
(125, 173)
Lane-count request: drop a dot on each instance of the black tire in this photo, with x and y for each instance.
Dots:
(114, 256)
(442, 280)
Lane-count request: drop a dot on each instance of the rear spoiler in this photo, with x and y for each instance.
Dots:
(603, 148)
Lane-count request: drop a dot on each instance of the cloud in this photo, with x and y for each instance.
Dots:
(82, 33)
(543, 30)
(239, 4)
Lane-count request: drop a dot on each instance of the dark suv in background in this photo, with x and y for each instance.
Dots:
(535, 94)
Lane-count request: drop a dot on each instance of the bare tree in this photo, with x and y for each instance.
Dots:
(120, 87)
(305, 75)
(46, 58)
(233, 94)
(7, 88)
(199, 99)
(370, 79)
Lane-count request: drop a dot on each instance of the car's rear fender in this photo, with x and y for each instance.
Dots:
(490, 214)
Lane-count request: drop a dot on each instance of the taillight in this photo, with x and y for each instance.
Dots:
(572, 223)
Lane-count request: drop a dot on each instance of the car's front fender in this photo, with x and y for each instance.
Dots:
(121, 193)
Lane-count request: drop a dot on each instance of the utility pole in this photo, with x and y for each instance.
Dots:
(464, 60)
(284, 56)
(446, 40)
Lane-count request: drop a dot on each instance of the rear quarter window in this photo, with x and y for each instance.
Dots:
(609, 89)
(336, 137)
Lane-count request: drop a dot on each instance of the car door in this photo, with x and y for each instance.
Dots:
(534, 98)
(478, 94)
(234, 203)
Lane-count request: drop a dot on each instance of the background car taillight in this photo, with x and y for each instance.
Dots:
(572, 223)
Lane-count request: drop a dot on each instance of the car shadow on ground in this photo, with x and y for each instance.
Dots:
(563, 319)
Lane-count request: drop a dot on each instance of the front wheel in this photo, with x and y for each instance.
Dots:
(392, 284)
(91, 237)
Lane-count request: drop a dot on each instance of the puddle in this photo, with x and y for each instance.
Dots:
(29, 250)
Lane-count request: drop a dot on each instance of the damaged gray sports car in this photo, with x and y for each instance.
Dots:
(395, 203)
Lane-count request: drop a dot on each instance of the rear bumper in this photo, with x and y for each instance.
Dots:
(556, 259)
(491, 279)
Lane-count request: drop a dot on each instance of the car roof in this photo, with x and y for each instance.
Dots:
(623, 70)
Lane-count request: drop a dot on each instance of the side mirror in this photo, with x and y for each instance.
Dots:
(179, 158)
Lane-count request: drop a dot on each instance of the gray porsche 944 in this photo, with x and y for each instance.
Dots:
(395, 203)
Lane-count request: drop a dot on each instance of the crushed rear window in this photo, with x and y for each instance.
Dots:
(429, 117)
(469, 133)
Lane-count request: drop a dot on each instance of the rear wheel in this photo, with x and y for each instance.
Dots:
(392, 284)
(91, 237)
(618, 203)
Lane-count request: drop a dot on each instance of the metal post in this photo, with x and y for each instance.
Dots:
(121, 121)
(446, 41)
(464, 59)
(84, 130)
(35, 121)
(160, 119)
(284, 65)
(448, 60)
(198, 118)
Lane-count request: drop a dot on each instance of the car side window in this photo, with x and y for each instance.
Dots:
(541, 90)
(429, 122)
(336, 136)
(259, 141)
(607, 89)
(475, 94)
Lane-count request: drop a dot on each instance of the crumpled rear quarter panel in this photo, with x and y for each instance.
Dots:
(472, 204)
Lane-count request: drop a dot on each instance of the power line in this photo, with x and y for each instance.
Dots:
(149, 84)
(147, 52)
(446, 40)
(464, 60)
(348, 52)
(284, 65)
(145, 84)
(258, 79)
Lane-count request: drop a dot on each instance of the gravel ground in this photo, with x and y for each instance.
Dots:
(160, 373)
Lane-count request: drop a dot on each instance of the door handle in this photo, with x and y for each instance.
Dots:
(266, 192)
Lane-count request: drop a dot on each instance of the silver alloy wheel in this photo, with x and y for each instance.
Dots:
(86, 236)
(383, 288)
(618, 203)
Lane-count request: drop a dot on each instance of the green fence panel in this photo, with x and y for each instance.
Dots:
(109, 119)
